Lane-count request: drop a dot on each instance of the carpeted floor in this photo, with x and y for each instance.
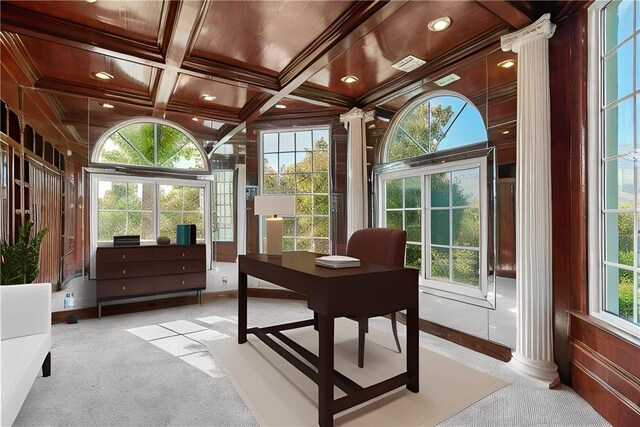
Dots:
(105, 374)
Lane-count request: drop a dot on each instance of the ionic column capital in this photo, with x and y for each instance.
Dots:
(541, 28)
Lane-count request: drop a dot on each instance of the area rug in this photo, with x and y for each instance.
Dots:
(279, 395)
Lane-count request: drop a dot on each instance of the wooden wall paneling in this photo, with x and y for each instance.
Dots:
(28, 138)
(567, 69)
(38, 146)
(3, 118)
(507, 227)
(605, 369)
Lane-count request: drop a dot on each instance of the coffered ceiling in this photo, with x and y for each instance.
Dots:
(165, 56)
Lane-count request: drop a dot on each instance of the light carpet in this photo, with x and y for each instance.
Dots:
(279, 395)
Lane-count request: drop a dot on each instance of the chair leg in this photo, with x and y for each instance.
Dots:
(315, 320)
(394, 326)
(46, 366)
(362, 327)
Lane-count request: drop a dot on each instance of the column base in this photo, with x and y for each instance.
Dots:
(541, 370)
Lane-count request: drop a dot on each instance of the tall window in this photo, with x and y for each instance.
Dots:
(223, 213)
(443, 209)
(297, 162)
(440, 198)
(148, 205)
(615, 144)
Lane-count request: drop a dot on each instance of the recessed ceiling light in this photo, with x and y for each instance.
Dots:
(102, 75)
(505, 132)
(281, 106)
(349, 79)
(92, 1)
(106, 105)
(439, 24)
(372, 126)
(208, 98)
(507, 64)
(194, 118)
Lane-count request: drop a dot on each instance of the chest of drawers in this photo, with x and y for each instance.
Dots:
(127, 272)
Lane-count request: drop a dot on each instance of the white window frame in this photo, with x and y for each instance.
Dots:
(216, 205)
(95, 178)
(477, 296)
(595, 176)
(261, 226)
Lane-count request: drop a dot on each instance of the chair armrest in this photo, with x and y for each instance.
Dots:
(25, 310)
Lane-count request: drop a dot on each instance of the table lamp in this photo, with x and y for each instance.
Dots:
(274, 205)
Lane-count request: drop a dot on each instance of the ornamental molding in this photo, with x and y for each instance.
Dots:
(541, 28)
(354, 113)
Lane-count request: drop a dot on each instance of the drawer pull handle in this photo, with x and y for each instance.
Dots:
(124, 256)
(182, 254)
(124, 271)
(124, 288)
(183, 282)
(183, 267)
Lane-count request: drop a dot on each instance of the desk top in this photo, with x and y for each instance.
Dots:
(304, 262)
(368, 290)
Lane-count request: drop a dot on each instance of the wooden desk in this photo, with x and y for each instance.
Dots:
(366, 291)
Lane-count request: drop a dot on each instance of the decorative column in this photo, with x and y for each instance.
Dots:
(534, 343)
(356, 200)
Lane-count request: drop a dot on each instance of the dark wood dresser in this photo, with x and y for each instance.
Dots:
(135, 271)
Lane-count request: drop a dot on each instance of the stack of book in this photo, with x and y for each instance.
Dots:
(337, 261)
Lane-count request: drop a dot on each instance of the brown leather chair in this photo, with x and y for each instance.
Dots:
(381, 246)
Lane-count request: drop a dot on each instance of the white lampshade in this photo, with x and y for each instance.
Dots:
(274, 205)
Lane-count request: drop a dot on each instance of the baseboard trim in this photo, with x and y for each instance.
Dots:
(133, 307)
(491, 349)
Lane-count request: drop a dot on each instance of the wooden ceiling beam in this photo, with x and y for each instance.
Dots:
(18, 20)
(360, 19)
(229, 73)
(65, 87)
(208, 113)
(506, 11)
(186, 19)
(321, 97)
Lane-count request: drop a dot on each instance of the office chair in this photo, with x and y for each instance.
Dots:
(381, 246)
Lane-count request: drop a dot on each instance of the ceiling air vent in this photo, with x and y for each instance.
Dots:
(447, 79)
(409, 63)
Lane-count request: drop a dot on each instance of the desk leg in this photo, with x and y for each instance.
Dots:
(325, 370)
(412, 350)
(242, 308)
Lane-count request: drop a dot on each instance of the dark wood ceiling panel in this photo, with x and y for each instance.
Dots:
(65, 64)
(189, 90)
(138, 20)
(404, 33)
(265, 36)
(204, 130)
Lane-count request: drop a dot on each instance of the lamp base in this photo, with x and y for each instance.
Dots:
(274, 237)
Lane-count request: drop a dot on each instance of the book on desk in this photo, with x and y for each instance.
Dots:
(337, 261)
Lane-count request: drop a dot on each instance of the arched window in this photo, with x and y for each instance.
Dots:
(438, 122)
(150, 143)
(441, 196)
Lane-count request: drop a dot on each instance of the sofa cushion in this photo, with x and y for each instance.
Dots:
(21, 362)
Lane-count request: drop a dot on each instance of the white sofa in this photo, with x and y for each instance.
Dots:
(25, 344)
